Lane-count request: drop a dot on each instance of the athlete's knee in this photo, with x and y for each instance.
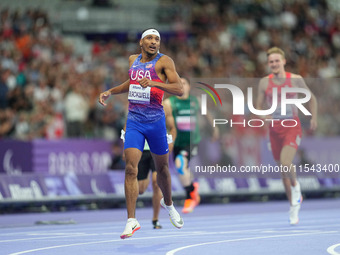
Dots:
(163, 169)
(131, 170)
(154, 185)
(284, 176)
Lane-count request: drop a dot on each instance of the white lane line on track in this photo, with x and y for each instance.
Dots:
(114, 225)
(53, 233)
(172, 252)
(142, 238)
(59, 235)
(86, 227)
(272, 229)
(44, 238)
(175, 235)
(331, 249)
(215, 218)
(74, 228)
(97, 242)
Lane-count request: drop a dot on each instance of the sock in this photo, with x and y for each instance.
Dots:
(131, 219)
(189, 189)
(156, 224)
(170, 207)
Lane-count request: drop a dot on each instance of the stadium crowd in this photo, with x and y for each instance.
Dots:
(49, 91)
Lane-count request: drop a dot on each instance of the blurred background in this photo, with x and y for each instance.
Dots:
(60, 149)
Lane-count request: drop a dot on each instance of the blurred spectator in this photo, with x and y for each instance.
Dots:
(22, 127)
(76, 110)
(117, 158)
(3, 89)
(7, 120)
(55, 128)
(42, 92)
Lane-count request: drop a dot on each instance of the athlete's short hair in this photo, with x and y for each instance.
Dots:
(276, 50)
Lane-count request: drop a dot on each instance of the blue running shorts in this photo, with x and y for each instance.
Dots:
(154, 133)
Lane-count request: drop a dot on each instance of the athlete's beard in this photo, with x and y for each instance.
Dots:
(149, 55)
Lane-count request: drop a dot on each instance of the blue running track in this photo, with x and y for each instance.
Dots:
(238, 228)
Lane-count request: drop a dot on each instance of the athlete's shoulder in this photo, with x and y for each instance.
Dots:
(165, 59)
(293, 75)
(265, 79)
(298, 81)
(263, 84)
(133, 57)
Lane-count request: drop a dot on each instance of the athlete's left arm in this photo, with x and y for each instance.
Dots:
(312, 104)
(174, 85)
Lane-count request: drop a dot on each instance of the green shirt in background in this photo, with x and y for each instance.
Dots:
(185, 112)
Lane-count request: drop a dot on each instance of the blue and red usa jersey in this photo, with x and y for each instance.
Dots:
(145, 105)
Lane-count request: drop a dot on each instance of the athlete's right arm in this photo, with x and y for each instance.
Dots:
(122, 88)
(313, 104)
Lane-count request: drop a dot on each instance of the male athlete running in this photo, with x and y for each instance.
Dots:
(149, 72)
(285, 140)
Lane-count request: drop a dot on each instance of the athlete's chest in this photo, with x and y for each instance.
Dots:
(150, 70)
(277, 91)
(138, 74)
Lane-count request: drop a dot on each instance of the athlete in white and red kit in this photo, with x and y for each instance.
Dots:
(285, 140)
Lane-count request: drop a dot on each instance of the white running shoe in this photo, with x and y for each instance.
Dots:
(296, 204)
(175, 218)
(131, 227)
(294, 214)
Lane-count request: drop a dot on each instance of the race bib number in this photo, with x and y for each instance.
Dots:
(138, 94)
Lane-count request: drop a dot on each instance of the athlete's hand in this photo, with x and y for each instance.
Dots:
(145, 82)
(103, 96)
(313, 124)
